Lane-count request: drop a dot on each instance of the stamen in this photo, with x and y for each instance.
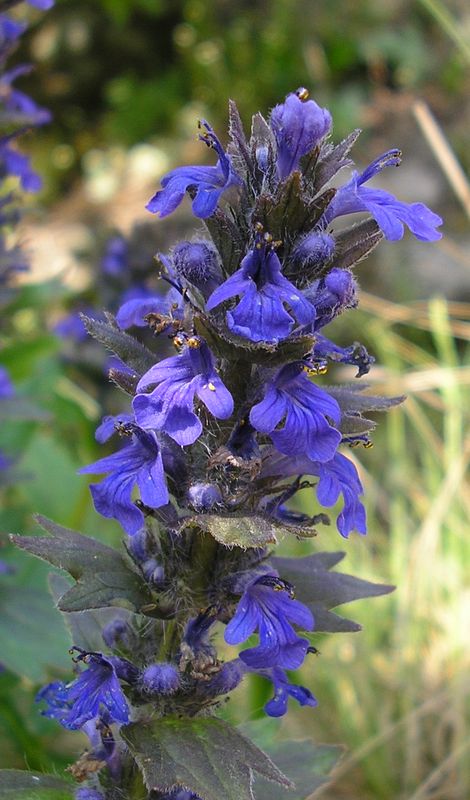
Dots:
(303, 94)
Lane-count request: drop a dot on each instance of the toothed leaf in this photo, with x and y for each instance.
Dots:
(103, 577)
(322, 590)
(126, 347)
(16, 784)
(206, 756)
(332, 159)
(354, 244)
(307, 764)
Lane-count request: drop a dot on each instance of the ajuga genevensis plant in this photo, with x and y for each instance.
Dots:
(217, 441)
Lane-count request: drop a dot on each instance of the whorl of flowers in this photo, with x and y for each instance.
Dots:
(217, 439)
(18, 115)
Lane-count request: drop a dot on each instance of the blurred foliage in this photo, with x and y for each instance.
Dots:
(122, 71)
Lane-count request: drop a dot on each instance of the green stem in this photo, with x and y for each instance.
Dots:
(203, 559)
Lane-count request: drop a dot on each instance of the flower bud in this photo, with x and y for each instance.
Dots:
(331, 295)
(124, 669)
(153, 571)
(203, 496)
(118, 633)
(262, 158)
(85, 793)
(298, 124)
(139, 546)
(314, 251)
(196, 263)
(162, 678)
(226, 679)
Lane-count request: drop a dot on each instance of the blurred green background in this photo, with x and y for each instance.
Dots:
(126, 81)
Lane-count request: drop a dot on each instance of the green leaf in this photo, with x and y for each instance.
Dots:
(103, 578)
(307, 764)
(352, 403)
(85, 626)
(18, 784)
(289, 210)
(207, 756)
(354, 244)
(227, 239)
(19, 408)
(32, 635)
(244, 530)
(126, 347)
(333, 159)
(321, 590)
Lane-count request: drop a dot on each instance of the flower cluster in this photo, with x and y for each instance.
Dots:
(19, 115)
(218, 437)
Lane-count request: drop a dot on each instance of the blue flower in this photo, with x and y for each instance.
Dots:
(110, 425)
(261, 314)
(299, 124)
(137, 304)
(10, 31)
(5, 569)
(356, 354)
(208, 183)
(390, 214)
(277, 706)
(72, 327)
(304, 407)
(169, 407)
(43, 5)
(331, 295)
(19, 104)
(267, 606)
(337, 476)
(6, 386)
(14, 163)
(139, 462)
(115, 261)
(97, 687)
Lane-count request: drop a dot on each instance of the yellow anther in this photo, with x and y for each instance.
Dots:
(211, 387)
(259, 227)
(303, 94)
(194, 342)
(178, 341)
(322, 370)
(354, 444)
(368, 444)
(268, 238)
